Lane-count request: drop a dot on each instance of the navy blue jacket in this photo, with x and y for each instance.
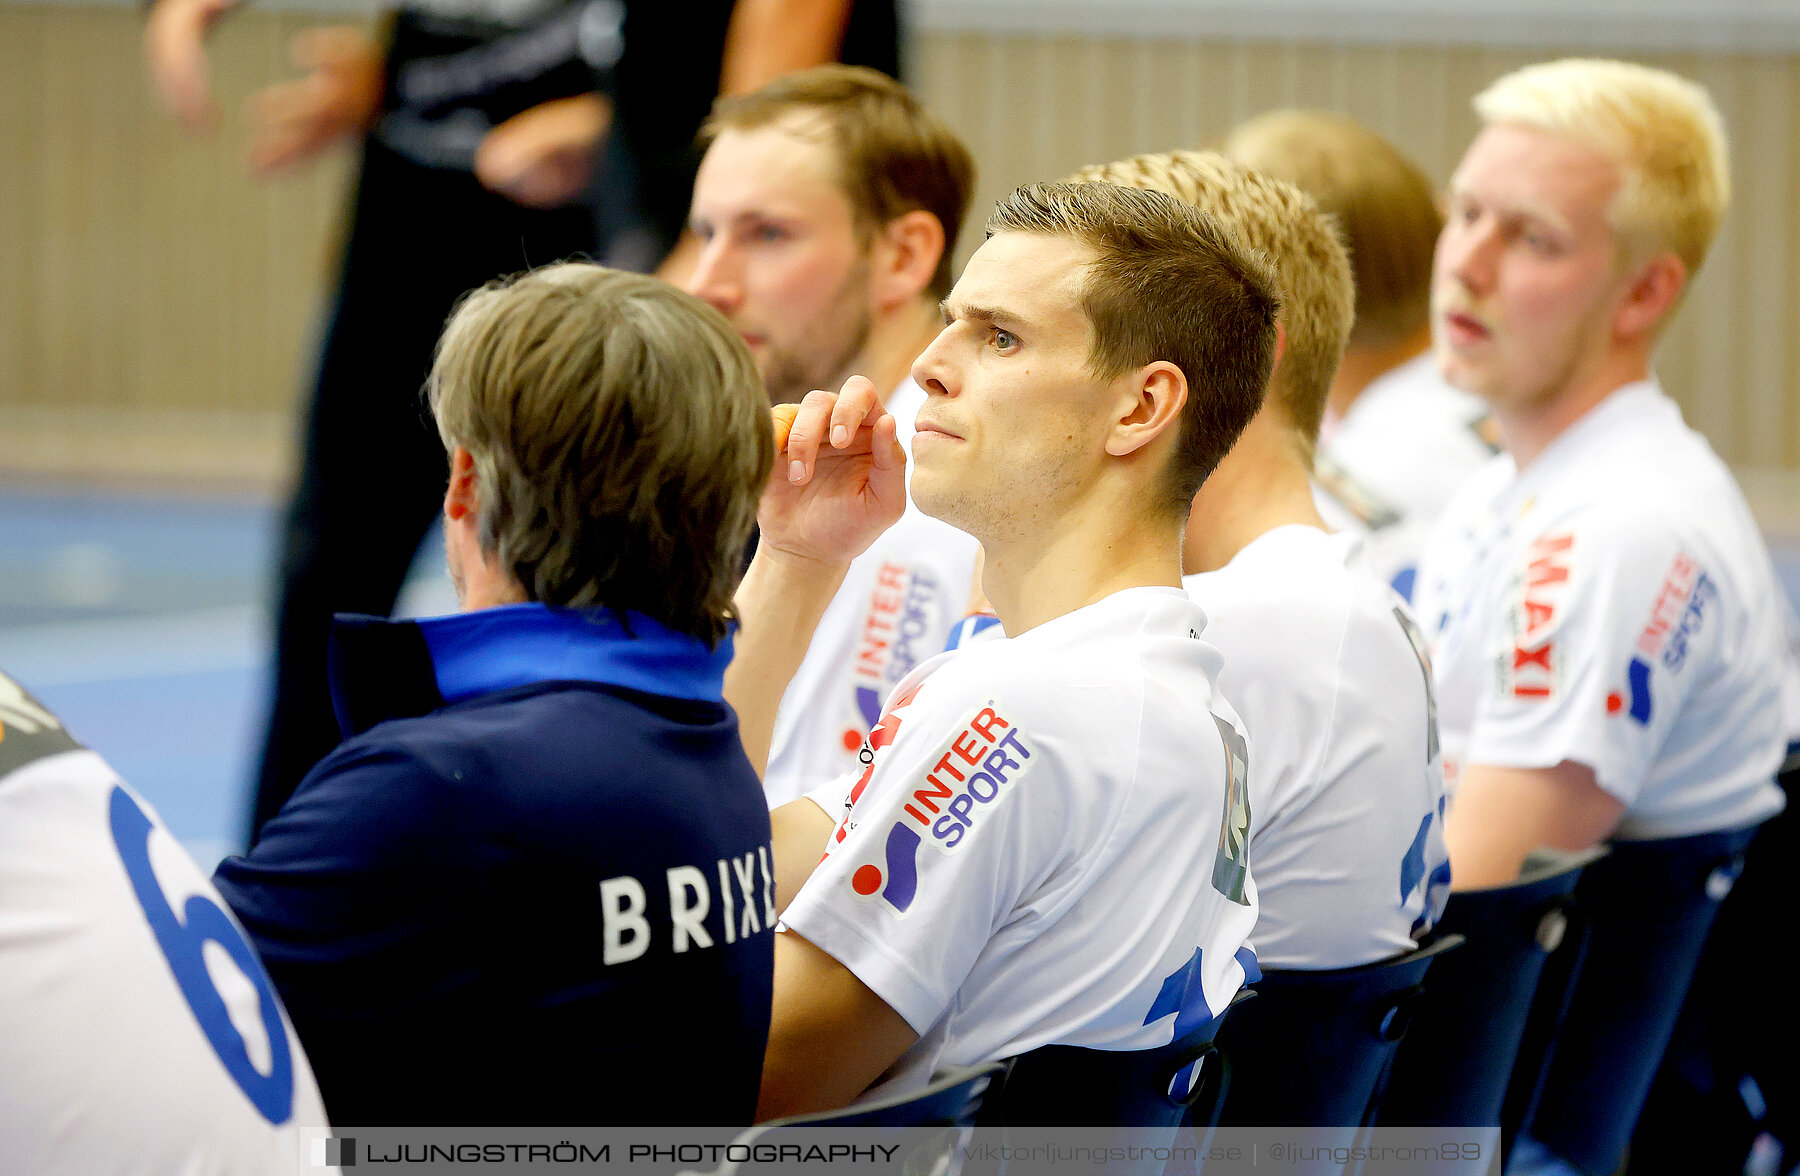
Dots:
(534, 885)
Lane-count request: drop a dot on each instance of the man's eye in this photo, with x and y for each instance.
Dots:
(1005, 340)
(768, 233)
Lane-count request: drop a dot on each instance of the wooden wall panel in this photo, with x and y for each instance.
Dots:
(1035, 108)
(151, 290)
(146, 275)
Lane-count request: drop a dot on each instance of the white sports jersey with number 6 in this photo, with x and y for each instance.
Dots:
(138, 1031)
(1613, 605)
(1049, 846)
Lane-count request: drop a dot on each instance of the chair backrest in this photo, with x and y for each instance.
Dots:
(1068, 1085)
(1313, 1049)
(1453, 1066)
(951, 1100)
(1649, 907)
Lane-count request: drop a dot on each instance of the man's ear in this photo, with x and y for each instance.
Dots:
(1157, 393)
(1653, 292)
(462, 498)
(905, 258)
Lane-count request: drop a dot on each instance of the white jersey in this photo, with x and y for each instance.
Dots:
(1328, 673)
(1614, 605)
(138, 1031)
(895, 609)
(1388, 466)
(1048, 845)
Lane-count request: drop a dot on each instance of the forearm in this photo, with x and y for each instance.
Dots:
(830, 1036)
(1500, 815)
(779, 605)
(768, 38)
(802, 830)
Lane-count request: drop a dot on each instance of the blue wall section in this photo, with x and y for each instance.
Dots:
(142, 621)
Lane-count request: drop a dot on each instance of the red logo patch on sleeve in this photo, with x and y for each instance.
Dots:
(1530, 668)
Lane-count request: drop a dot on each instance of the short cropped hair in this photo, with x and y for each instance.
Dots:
(1286, 227)
(893, 155)
(1385, 208)
(1167, 283)
(1662, 130)
(621, 440)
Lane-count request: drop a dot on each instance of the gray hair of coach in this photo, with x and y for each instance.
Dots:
(621, 440)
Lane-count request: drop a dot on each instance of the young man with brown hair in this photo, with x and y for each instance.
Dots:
(540, 859)
(1048, 843)
(827, 209)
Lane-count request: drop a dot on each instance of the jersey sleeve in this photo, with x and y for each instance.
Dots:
(1588, 659)
(833, 796)
(935, 852)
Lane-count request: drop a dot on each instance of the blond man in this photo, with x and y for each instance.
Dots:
(1604, 618)
(1048, 844)
(540, 858)
(1397, 440)
(1322, 660)
(826, 212)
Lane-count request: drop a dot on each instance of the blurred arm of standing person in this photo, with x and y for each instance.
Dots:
(336, 97)
(541, 157)
(766, 39)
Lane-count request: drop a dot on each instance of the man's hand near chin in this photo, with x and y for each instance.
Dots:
(838, 483)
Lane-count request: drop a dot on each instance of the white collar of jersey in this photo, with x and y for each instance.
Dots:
(1623, 404)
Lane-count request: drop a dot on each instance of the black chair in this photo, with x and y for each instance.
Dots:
(1125, 1098)
(1314, 1048)
(1649, 906)
(950, 1102)
(1452, 1068)
(1729, 1074)
(1068, 1085)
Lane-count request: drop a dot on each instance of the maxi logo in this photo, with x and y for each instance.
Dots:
(894, 638)
(1528, 667)
(982, 762)
(1677, 613)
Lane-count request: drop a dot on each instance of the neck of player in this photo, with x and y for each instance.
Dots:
(1263, 483)
(1529, 424)
(1064, 560)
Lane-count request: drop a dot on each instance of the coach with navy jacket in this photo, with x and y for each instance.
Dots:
(533, 885)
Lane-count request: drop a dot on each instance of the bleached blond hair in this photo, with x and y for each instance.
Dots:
(1663, 131)
(1284, 224)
